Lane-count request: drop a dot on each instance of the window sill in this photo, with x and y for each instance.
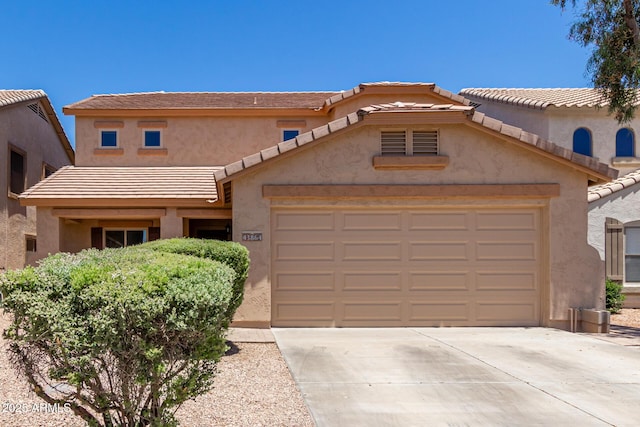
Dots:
(410, 162)
(152, 152)
(626, 162)
(108, 151)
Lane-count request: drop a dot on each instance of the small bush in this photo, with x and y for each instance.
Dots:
(122, 336)
(615, 297)
(232, 254)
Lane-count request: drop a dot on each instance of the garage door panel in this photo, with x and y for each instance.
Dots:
(506, 280)
(506, 251)
(411, 267)
(448, 221)
(494, 221)
(293, 251)
(383, 311)
(304, 281)
(372, 250)
(366, 221)
(311, 311)
(438, 311)
(439, 250)
(525, 312)
(305, 221)
(372, 281)
(439, 280)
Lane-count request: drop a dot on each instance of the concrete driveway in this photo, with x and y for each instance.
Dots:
(462, 377)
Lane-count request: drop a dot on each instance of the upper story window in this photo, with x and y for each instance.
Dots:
(409, 142)
(582, 142)
(625, 143)
(17, 171)
(288, 134)
(47, 170)
(152, 139)
(108, 139)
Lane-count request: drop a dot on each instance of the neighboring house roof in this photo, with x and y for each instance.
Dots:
(11, 97)
(598, 192)
(95, 184)
(539, 98)
(193, 101)
(599, 171)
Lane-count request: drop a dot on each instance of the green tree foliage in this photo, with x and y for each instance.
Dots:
(122, 336)
(610, 27)
(615, 297)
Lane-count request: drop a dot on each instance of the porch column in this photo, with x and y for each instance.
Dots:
(170, 224)
(49, 234)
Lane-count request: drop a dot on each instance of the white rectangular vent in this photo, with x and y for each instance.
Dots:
(393, 143)
(425, 142)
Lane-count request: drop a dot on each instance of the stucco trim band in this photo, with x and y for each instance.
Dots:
(410, 162)
(494, 191)
(108, 213)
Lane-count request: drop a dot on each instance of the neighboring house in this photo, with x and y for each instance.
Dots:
(391, 204)
(33, 145)
(578, 119)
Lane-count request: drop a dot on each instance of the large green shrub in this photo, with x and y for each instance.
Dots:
(615, 297)
(233, 254)
(122, 336)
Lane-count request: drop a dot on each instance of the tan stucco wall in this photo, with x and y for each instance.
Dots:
(25, 130)
(559, 124)
(198, 141)
(573, 279)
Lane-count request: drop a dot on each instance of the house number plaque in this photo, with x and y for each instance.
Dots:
(251, 236)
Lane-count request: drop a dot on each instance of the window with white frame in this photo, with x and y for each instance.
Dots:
(152, 138)
(119, 238)
(411, 142)
(108, 138)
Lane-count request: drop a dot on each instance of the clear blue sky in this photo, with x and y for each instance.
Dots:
(73, 49)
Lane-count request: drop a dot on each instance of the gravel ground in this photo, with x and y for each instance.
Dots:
(627, 317)
(253, 388)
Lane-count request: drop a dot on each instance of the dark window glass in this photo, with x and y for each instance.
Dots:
(582, 142)
(135, 237)
(114, 239)
(109, 138)
(625, 144)
(17, 173)
(289, 134)
(152, 138)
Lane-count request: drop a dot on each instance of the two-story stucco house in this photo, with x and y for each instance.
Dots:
(389, 204)
(33, 145)
(578, 119)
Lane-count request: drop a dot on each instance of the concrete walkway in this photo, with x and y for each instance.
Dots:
(462, 377)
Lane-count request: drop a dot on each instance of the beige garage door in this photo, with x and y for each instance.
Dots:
(405, 267)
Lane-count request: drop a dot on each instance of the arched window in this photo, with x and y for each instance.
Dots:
(625, 143)
(582, 141)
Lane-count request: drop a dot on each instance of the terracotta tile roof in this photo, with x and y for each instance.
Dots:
(8, 97)
(240, 100)
(600, 171)
(15, 96)
(538, 98)
(598, 192)
(203, 100)
(96, 183)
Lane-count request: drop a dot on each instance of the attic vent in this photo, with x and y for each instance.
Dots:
(425, 142)
(393, 143)
(36, 108)
(474, 104)
(227, 192)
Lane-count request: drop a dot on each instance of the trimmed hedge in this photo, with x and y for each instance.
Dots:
(151, 322)
(232, 254)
